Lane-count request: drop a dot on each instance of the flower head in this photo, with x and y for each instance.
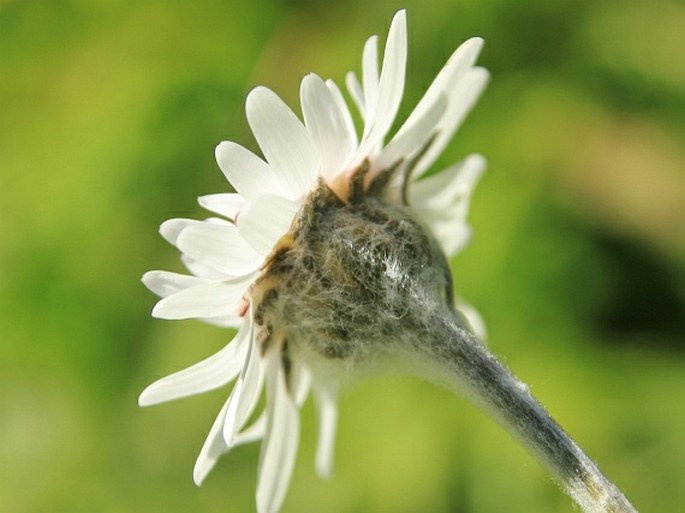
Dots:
(317, 254)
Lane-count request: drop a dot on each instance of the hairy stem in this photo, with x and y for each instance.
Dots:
(474, 369)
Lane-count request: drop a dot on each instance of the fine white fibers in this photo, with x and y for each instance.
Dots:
(304, 295)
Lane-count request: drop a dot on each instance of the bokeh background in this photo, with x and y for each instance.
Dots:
(109, 114)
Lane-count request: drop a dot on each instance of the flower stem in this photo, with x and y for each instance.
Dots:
(470, 366)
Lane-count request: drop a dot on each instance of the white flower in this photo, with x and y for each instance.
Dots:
(230, 256)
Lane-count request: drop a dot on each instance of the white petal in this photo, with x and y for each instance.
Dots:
(430, 192)
(414, 137)
(165, 283)
(356, 92)
(346, 115)
(391, 82)
(452, 233)
(226, 204)
(231, 320)
(284, 140)
(474, 319)
(172, 228)
(266, 219)
(203, 271)
(442, 202)
(208, 299)
(446, 188)
(326, 123)
(213, 447)
(370, 77)
(210, 373)
(245, 395)
(445, 84)
(327, 406)
(245, 171)
(220, 247)
(461, 100)
(390, 88)
(253, 433)
(300, 382)
(277, 458)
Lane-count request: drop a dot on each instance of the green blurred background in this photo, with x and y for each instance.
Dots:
(109, 114)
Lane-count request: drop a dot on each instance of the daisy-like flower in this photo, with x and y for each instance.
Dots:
(332, 256)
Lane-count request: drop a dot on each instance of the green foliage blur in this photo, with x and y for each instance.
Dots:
(109, 114)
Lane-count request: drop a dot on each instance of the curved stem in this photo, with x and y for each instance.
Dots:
(471, 367)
